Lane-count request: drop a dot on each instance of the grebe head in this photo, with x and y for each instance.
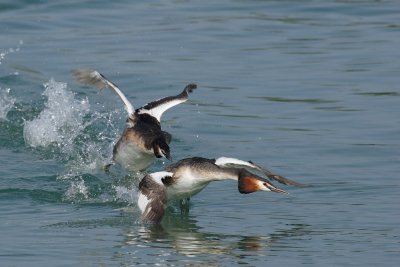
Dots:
(161, 149)
(249, 183)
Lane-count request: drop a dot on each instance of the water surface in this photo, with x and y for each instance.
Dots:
(308, 89)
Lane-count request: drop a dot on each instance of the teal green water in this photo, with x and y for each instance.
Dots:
(309, 89)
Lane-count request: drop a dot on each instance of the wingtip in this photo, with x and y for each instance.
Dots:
(89, 77)
(278, 178)
(284, 180)
(190, 87)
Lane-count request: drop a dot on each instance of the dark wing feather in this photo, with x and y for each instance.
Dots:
(278, 178)
(152, 200)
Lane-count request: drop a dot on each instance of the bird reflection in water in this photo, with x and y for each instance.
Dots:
(181, 233)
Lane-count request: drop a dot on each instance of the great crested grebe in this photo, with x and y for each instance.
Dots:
(189, 176)
(143, 139)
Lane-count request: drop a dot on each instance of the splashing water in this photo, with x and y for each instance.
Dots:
(77, 191)
(3, 54)
(60, 122)
(6, 102)
(80, 138)
(126, 194)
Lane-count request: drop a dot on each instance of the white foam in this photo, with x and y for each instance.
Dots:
(126, 194)
(80, 138)
(6, 102)
(77, 190)
(61, 120)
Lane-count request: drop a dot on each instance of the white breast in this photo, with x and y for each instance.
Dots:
(186, 185)
(133, 158)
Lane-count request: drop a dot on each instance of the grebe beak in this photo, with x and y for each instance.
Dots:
(167, 155)
(269, 187)
(161, 150)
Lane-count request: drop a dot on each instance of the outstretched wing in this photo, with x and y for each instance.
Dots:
(158, 107)
(232, 162)
(93, 77)
(152, 197)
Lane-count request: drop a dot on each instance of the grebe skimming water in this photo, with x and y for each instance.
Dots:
(189, 176)
(142, 139)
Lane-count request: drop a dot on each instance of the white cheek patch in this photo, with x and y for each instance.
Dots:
(263, 187)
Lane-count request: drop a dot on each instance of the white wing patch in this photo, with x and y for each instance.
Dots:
(158, 110)
(143, 201)
(224, 161)
(157, 176)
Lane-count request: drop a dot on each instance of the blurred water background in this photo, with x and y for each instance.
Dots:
(309, 89)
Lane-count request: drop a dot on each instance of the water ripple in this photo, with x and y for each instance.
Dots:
(295, 100)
